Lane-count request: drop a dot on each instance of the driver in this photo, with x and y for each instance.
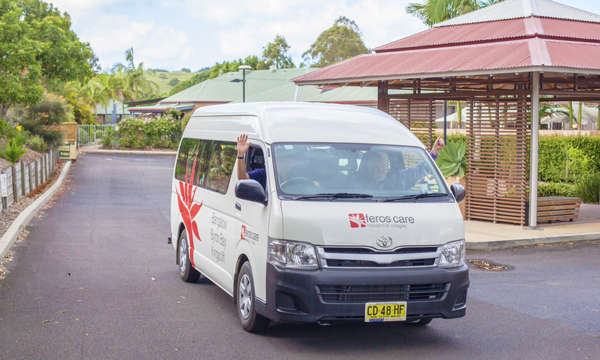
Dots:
(374, 168)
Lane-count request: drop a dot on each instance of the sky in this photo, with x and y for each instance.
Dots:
(175, 34)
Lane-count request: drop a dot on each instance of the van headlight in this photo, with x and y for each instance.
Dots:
(453, 254)
(293, 255)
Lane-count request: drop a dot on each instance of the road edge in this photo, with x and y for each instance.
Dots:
(131, 152)
(552, 239)
(15, 229)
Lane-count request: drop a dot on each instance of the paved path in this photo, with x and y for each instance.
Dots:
(81, 287)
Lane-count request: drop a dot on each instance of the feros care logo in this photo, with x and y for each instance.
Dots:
(248, 234)
(379, 221)
(357, 220)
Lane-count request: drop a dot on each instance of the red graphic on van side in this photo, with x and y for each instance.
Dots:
(187, 208)
(357, 220)
(243, 232)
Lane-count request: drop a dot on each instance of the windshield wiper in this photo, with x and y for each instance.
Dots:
(333, 196)
(414, 197)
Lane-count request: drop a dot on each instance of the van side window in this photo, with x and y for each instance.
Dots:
(193, 151)
(222, 159)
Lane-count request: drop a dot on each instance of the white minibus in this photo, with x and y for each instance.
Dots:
(332, 213)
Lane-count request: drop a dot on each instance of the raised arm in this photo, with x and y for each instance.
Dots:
(242, 147)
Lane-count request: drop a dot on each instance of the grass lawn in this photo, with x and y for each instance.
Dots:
(163, 84)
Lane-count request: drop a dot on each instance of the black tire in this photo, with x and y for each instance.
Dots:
(419, 322)
(251, 321)
(186, 270)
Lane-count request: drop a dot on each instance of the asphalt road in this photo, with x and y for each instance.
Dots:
(81, 287)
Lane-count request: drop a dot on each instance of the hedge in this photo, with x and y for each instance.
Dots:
(583, 153)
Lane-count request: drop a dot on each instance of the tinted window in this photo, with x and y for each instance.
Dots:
(222, 159)
(192, 161)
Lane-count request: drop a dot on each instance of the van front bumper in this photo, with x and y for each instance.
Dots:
(296, 296)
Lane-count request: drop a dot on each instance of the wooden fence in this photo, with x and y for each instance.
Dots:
(21, 178)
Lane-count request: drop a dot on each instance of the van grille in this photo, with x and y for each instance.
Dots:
(366, 257)
(374, 293)
(358, 263)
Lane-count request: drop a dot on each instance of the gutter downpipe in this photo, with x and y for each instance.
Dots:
(535, 127)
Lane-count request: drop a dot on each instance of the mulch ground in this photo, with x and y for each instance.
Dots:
(8, 216)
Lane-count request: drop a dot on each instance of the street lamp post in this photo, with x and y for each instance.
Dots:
(243, 69)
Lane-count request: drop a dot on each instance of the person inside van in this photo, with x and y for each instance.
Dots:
(374, 171)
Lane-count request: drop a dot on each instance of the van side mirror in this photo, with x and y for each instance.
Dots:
(459, 192)
(251, 190)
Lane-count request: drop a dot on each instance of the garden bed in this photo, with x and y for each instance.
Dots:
(28, 157)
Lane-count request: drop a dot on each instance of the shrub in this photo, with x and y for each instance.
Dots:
(14, 150)
(174, 82)
(43, 118)
(36, 143)
(185, 121)
(139, 133)
(452, 160)
(583, 153)
(108, 139)
(556, 189)
(588, 188)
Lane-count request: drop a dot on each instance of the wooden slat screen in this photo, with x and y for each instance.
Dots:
(498, 136)
(418, 115)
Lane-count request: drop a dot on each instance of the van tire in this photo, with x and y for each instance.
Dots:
(419, 322)
(186, 270)
(250, 319)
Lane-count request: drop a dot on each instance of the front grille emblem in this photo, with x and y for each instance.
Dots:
(384, 241)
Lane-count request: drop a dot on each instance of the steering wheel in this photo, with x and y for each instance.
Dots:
(297, 181)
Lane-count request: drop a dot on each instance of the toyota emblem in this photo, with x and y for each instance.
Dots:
(384, 241)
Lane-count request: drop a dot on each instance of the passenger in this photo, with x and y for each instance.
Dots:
(259, 175)
(374, 168)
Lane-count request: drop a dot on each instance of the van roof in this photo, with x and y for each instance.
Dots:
(305, 122)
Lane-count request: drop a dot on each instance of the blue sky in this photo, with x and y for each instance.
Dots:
(171, 34)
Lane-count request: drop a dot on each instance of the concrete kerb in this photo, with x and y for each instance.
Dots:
(553, 239)
(15, 229)
(131, 152)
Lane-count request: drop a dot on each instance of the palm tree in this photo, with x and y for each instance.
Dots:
(136, 83)
(435, 11)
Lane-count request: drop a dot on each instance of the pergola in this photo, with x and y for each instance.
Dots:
(502, 61)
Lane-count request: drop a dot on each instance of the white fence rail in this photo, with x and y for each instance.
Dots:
(22, 179)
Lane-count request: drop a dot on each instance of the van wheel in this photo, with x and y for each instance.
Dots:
(187, 272)
(419, 322)
(251, 321)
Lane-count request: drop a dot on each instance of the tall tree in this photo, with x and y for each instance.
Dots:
(20, 73)
(275, 53)
(435, 11)
(341, 41)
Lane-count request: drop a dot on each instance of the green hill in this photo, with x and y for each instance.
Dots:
(163, 79)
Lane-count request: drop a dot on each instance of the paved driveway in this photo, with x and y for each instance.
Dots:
(81, 287)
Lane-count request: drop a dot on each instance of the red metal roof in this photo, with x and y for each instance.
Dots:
(516, 54)
(497, 31)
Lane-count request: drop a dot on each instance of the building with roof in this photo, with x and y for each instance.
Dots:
(228, 88)
(501, 61)
(104, 113)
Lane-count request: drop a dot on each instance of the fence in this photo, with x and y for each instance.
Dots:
(21, 178)
(91, 135)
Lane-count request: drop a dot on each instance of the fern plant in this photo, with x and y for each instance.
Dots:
(452, 160)
(14, 150)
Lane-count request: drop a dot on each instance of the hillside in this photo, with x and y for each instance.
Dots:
(164, 83)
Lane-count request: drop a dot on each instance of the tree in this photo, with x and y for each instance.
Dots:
(64, 57)
(275, 53)
(133, 84)
(20, 73)
(435, 11)
(173, 82)
(186, 70)
(341, 41)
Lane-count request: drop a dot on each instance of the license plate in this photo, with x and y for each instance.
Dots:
(385, 311)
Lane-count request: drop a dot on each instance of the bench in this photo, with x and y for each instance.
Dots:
(557, 208)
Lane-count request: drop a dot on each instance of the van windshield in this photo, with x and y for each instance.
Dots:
(343, 171)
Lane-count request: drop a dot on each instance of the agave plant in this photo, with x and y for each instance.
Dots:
(452, 160)
(14, 150)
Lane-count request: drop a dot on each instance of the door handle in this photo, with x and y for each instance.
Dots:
(238, 206)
